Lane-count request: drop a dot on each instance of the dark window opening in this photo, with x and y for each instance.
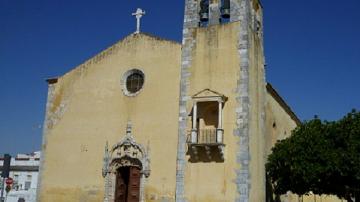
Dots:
(134, 82)
(225, 11)
(204, 12)
(207, 122)
(21, 200)
(27, 185)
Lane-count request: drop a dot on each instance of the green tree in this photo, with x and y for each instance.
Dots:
(320, 157)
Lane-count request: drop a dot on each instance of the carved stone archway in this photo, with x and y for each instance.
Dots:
(126, 153)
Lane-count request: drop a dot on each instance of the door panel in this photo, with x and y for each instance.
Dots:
(120, 189)
(127, 185)
(134, 185)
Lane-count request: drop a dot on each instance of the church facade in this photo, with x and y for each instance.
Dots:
(150, 119)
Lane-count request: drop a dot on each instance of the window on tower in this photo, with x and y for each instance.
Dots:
(225, 10)
(204, 12)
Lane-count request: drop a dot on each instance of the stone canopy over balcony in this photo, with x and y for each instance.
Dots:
(207, 133)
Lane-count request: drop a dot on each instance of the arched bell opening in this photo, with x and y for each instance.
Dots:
(204, 10)
(225, 9)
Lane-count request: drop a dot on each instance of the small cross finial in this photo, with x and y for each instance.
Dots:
(138, 14)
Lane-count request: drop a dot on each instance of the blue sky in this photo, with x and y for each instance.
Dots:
(312, 51)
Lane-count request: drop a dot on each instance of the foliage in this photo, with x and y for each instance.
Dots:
(320, 157)
(8, 188)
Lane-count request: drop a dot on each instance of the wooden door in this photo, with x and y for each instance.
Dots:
(134, 185)
(121, 187)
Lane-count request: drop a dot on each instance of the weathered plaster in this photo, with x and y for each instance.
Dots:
(44, 138)
(98, 110)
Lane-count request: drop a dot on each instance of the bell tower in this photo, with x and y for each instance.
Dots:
(222, 54)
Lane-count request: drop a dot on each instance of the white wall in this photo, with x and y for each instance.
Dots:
(22, 175)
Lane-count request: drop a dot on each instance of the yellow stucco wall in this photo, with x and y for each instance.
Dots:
(278, 123)
(257, 132)
(215, 65)
(89, 108)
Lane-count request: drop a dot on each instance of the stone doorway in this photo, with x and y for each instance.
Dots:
(125, 169)
(127, 184)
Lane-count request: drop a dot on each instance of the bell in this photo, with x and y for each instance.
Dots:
(204, 17)
(204, 10)
(225, 9)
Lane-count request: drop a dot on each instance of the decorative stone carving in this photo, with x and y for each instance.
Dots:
(209, 95)
(125, 153)
(221, 150)
(208, 151)
(105, 169)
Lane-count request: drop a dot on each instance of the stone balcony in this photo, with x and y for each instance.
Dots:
(208, 142)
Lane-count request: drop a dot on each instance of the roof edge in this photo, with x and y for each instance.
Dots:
(52, 80)
(100, 55)
(282, 103)
(156, 37)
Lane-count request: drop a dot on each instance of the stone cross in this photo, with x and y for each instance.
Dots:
(139, 13)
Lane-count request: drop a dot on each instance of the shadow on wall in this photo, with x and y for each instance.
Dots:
(205, 155)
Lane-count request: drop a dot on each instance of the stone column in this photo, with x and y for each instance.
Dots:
(194, 115)
(111, 187)
(214, 13)
(142, 188)
(219, 131)
(220, 126)
(107, 187)
(194, 124)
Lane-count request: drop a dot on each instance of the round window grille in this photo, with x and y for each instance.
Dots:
(133, 82)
